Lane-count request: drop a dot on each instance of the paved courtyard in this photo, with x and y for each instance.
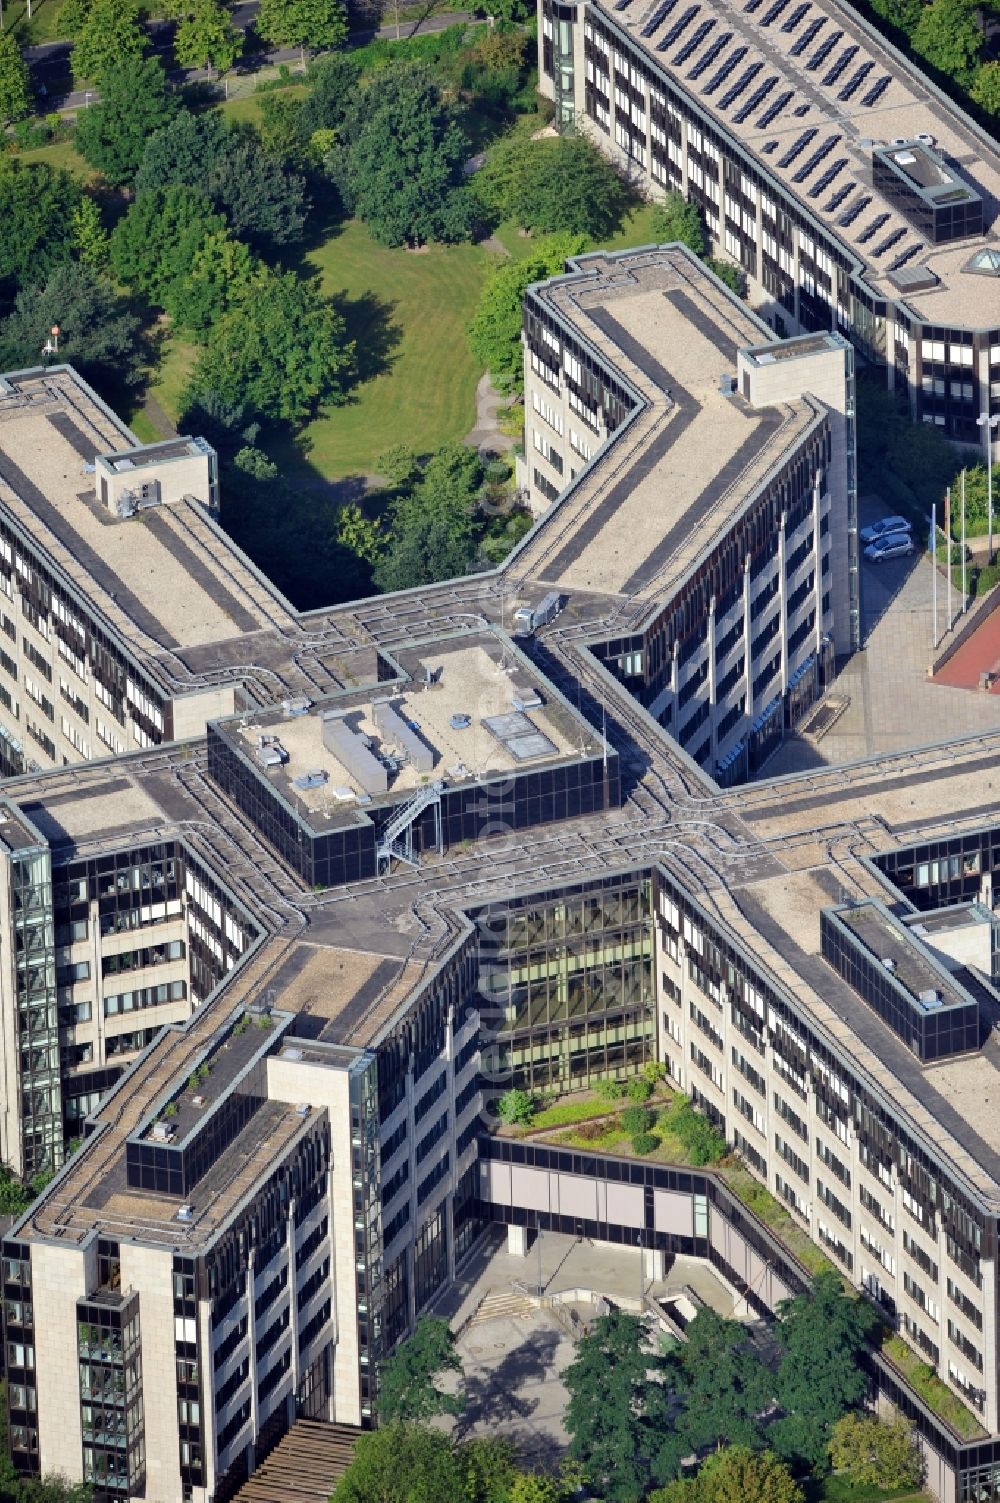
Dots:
(514, 1351)
(893, 704)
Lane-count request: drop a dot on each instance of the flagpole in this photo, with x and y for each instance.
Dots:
(934, 568)
(965, 591)
(947, 545)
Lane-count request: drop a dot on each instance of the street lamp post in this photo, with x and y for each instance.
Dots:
(989, 423)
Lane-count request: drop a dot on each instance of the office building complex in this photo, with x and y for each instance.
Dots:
(262, 984)
(854, 195)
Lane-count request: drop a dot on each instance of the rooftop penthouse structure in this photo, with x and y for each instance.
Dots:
(853, 194)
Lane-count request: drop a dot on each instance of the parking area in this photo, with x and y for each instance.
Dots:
(892, 704)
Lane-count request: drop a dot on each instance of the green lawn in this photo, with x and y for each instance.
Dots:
(414, 307)
(44, 23)
(636, 230)
(60, 154)
(176, 362)
(246, 107)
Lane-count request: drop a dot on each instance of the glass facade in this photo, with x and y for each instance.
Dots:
(567, 985)
(111, 1402)
(367, 1222)
(37, 1012)
(19, 1357)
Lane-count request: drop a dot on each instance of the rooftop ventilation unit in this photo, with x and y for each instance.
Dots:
(352, 752)
(312, 779)
(303, 1109)
(889, 964)
(299, 705)
(185, 1213)
(291, 1053)
(932, 998)
(162, 1132)
(727, 386)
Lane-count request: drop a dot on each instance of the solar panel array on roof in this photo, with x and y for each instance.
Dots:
(796, 17)
(751, 6)
(693, 42)
(855, 81)
(797, 145)
(889, 242)
(810, 34)
(678, 26)
(756, 98)
(847, 56)
(768, 147)
(857, 207)
(827, 177)
(873, 228)
(774, 109)
(822, 52)
(727, 67)
(800, 110)
(710, 54)
(741, 83)
(622, 4)
(821, 151)
(838, 198)
(773, 13)
(663, 9)
(877, 90)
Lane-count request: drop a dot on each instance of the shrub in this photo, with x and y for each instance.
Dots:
(639, 1089)
(644, 1142)
(610, 1090)
(516, 1108)
(636, 1119)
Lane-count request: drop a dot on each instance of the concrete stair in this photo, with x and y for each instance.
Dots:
(502, 1304)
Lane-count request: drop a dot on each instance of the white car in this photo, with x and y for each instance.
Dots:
(883, 527)
(892, 545)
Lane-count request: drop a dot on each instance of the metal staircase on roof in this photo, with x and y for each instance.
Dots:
(396, 840)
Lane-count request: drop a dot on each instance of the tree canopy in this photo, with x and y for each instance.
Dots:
(431, 534)
(876, 1453)
(154, 246)
(401, 169)
(279, 351)
(495, 331)
(616, 1410)
(110, 39)
(561, 184)
(949, 36)
(15, 82)
(99, 335)
(408, 1388)
(317, 24)
(184, 151)
(206, 37)
(37, 203)
(735, 1474)
(113, 133)
(822, 1334)
(333, 80)
(724, 1390)
(677, 219)
(411, 1464)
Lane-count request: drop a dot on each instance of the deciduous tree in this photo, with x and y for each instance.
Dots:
(409, 1380)
(724, 1389)
(186, 151)
(98, 334)
(822, 1334)
(36, 213)
(402, 167)
(736, 1474)
(495, 331)
(110, 39)
(986, 88)
(432, 535)
(333, 81)
(90, 238)
(15, 83)
(950, 37)
(677, 219)
(616, 1409)
(206, 37)
(113, 133)
(280, 351)
(317, 24)
(153, 248)
(559, 184)
(875, 1453)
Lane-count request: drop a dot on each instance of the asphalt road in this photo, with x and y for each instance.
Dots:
(50, 61)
